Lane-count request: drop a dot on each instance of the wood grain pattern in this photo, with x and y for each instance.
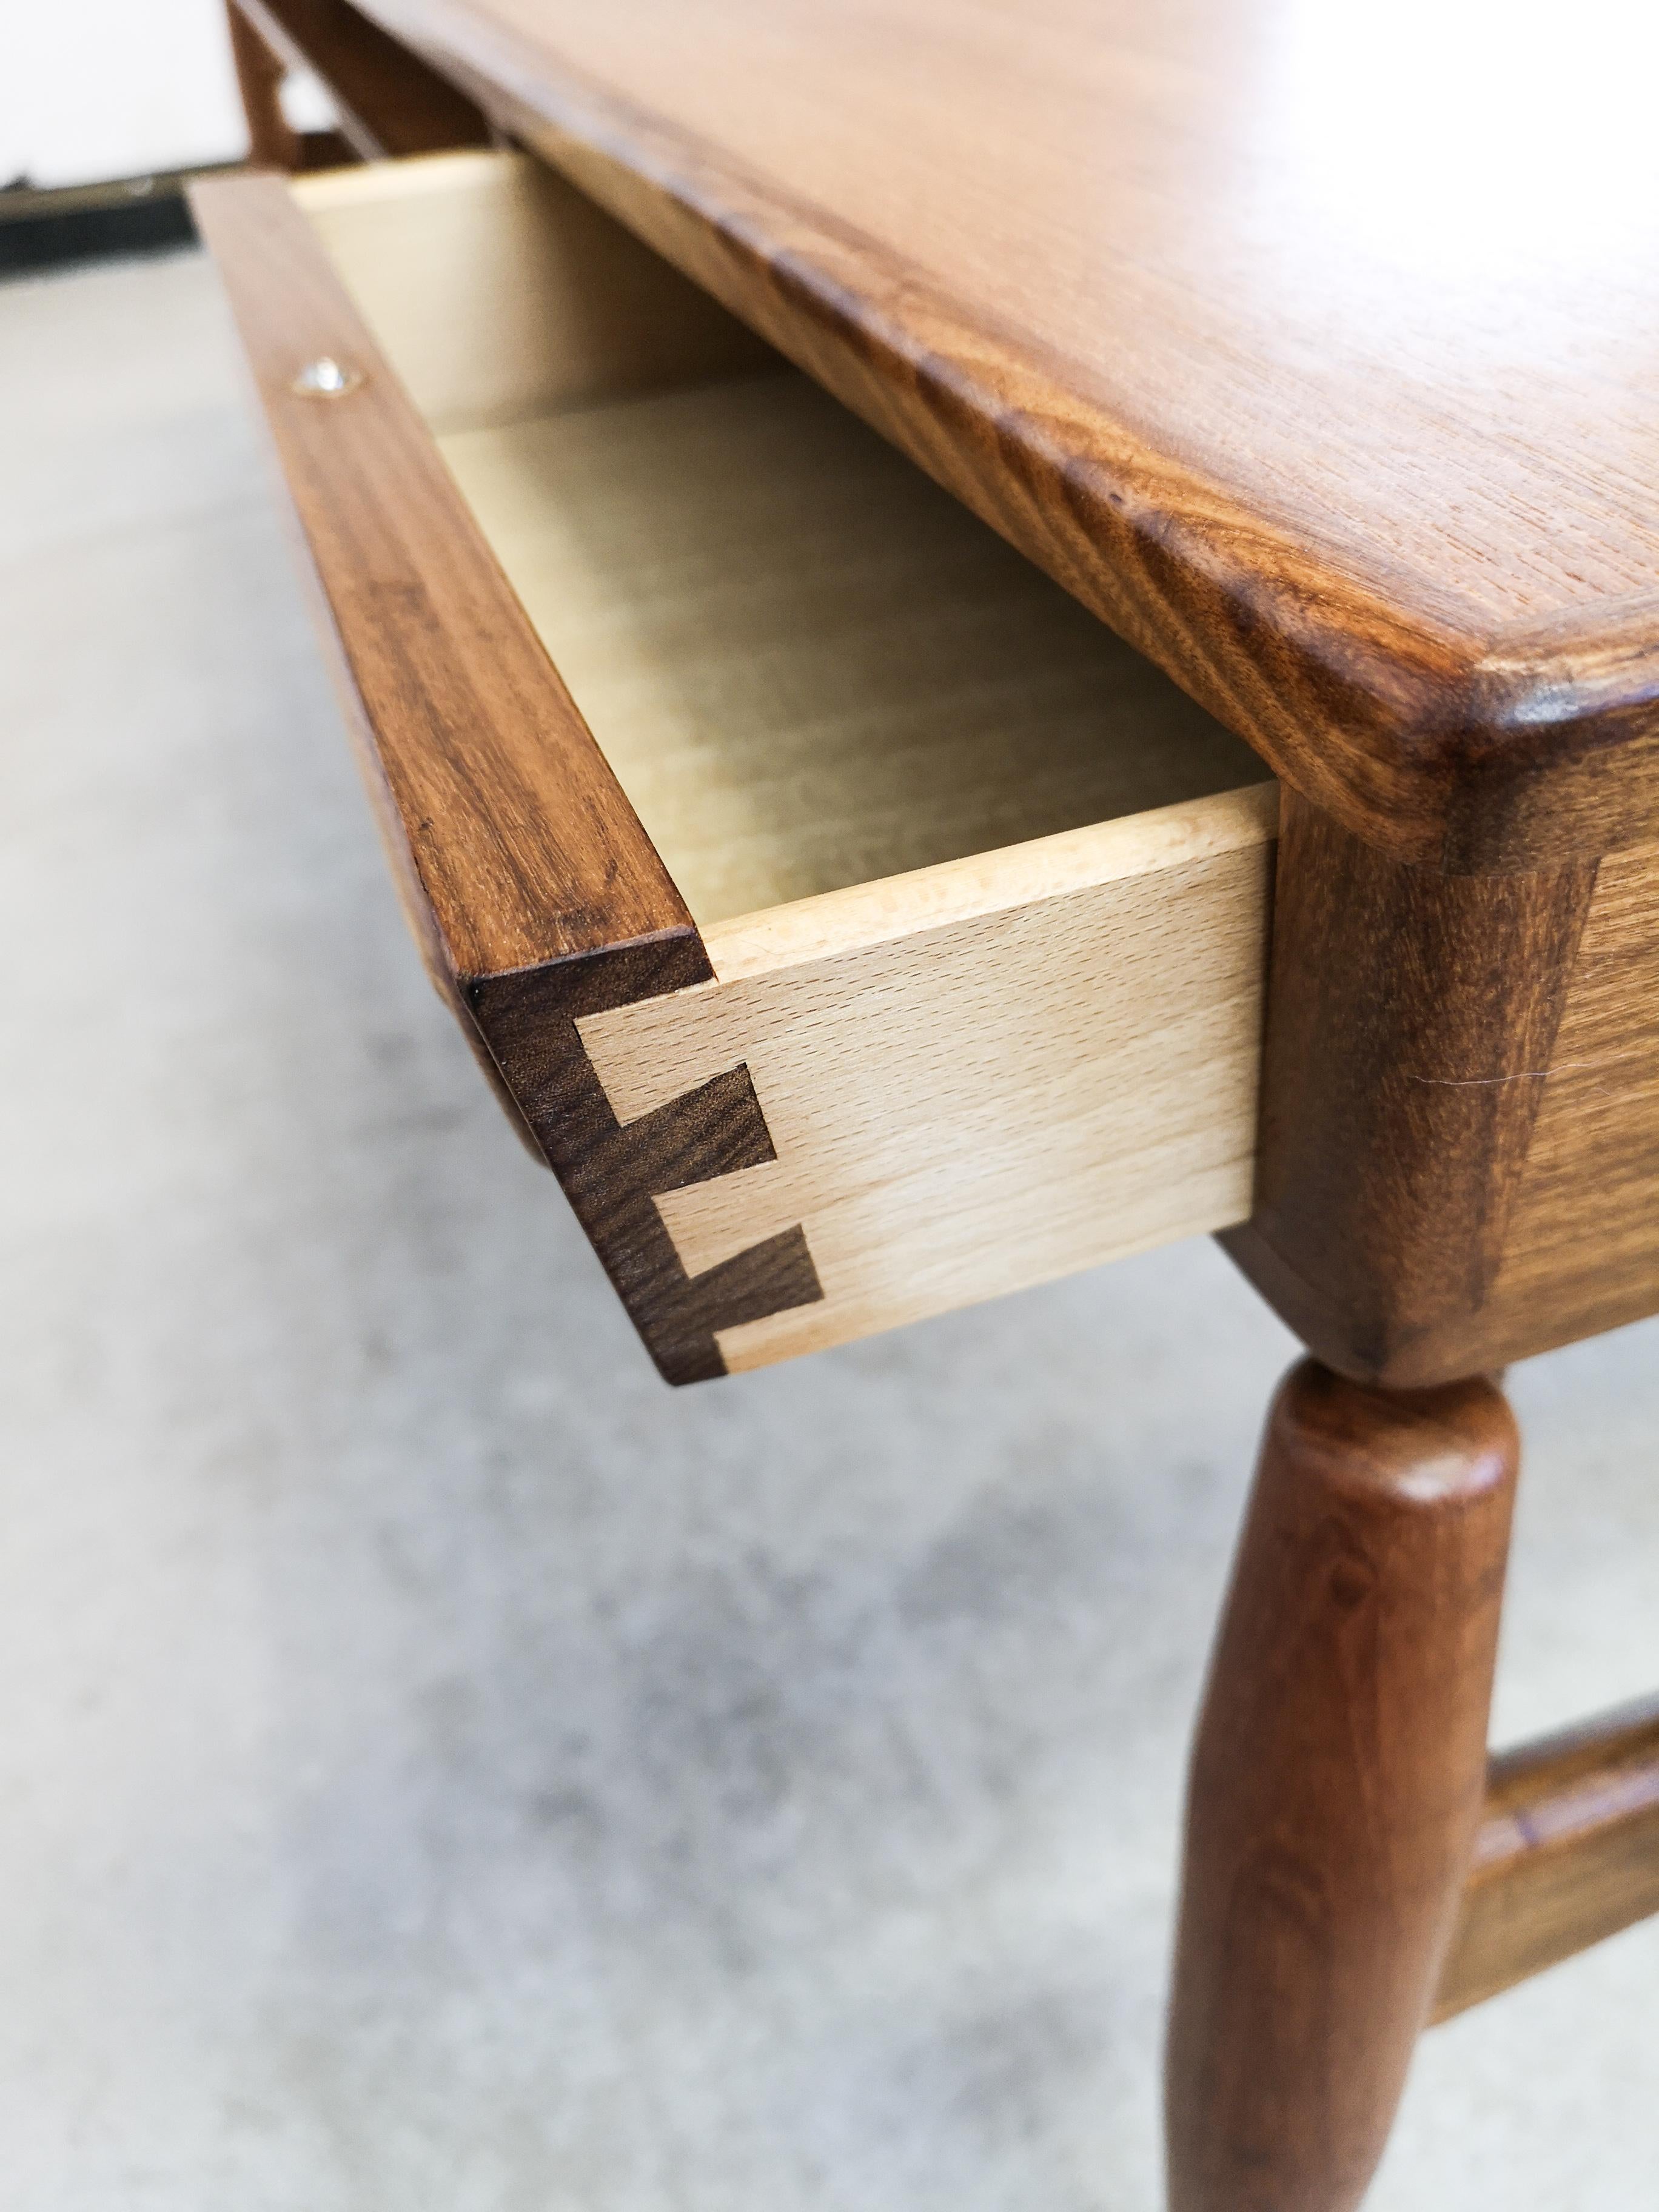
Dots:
(808, 666)
(1566, 1855)
(1364, 452)
(1336, 1783)
(1413, 1019)
(1581, 1250)
(980, 1077)
(530, 883)
(388, 101)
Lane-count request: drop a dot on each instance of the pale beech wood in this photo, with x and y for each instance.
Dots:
(1567, 1854)
(979, 1077)
(498, 290)
(807, 665)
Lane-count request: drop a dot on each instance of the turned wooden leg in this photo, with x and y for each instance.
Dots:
(1337, 1778)
(273, 143)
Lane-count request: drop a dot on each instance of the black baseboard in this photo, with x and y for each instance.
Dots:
(97, 223)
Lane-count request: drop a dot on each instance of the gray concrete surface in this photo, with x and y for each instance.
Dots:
(443, 1770)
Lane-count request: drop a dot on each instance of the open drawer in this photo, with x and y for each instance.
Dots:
(882, 934)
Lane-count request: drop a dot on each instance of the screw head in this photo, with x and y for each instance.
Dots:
(326, 379)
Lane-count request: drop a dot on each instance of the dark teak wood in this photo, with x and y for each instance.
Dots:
(273, 143)
(1567, 1854)
(1336, 1783)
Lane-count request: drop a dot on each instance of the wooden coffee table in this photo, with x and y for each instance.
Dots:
(904, 918)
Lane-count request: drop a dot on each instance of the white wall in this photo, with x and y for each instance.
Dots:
(97, 88)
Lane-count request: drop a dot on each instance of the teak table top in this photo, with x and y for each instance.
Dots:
(1313, 348)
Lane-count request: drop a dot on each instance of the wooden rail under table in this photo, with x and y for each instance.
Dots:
(1567, 1853)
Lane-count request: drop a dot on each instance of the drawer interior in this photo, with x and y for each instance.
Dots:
(808, 667)
(982, 901)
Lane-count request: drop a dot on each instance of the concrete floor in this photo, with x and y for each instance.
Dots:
(443, 1770)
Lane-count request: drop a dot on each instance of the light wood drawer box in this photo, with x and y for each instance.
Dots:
(880, 933)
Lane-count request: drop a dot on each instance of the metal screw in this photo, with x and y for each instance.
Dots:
(326, 379)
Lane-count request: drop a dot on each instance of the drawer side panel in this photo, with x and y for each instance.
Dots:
(979, 1105)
